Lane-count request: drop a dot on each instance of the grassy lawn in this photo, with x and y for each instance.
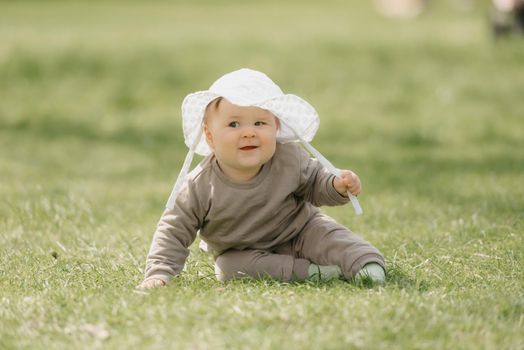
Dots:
(427, 111)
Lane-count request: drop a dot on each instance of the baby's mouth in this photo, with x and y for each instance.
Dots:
(248, 148)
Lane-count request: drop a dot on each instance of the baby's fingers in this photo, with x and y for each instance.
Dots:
(350, 178)
(353, 183)
(355, 189)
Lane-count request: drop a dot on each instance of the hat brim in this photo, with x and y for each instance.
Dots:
(300, 119)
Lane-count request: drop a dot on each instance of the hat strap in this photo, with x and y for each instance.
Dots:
(328, 165)
(333, 170)
(183, 173)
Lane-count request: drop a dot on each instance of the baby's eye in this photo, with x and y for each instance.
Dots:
(259, 123)
(234, 124)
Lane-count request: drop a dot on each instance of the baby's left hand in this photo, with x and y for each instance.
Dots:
(349, 181)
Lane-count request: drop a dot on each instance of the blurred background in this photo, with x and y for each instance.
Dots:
(421, 98)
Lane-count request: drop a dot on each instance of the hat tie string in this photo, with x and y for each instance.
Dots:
(183, 173)
(329, 166)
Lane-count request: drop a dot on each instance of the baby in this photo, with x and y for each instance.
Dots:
(254, 198)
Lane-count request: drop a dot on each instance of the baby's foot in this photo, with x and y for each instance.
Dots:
(372, 272)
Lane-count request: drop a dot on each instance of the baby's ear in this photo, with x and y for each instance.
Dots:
(277, 121)
(208, 135)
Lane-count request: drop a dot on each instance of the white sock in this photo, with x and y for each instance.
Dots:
(323, 272)
(372, 271)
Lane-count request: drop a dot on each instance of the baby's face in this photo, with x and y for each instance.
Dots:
(242, 138)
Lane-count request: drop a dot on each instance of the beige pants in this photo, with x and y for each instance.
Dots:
(322, 242)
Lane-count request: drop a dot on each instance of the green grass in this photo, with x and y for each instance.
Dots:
(428, 112)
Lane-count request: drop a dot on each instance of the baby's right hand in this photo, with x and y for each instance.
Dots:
(152, 283)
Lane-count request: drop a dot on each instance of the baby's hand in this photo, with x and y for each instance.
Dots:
(348, 181)
(152, 283)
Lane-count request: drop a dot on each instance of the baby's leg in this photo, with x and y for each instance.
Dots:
(257, 263)
(325, 242)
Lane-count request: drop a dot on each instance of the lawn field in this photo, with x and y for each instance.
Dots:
(428, 111)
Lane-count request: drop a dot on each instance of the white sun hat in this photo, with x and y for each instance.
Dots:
(299, 121)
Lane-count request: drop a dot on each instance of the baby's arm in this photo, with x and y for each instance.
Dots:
(168, 251)
(317, 183)
(175, 232)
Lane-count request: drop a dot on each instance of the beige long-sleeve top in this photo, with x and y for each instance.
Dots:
(266, 211)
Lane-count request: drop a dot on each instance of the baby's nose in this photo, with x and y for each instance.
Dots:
(248, 132)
